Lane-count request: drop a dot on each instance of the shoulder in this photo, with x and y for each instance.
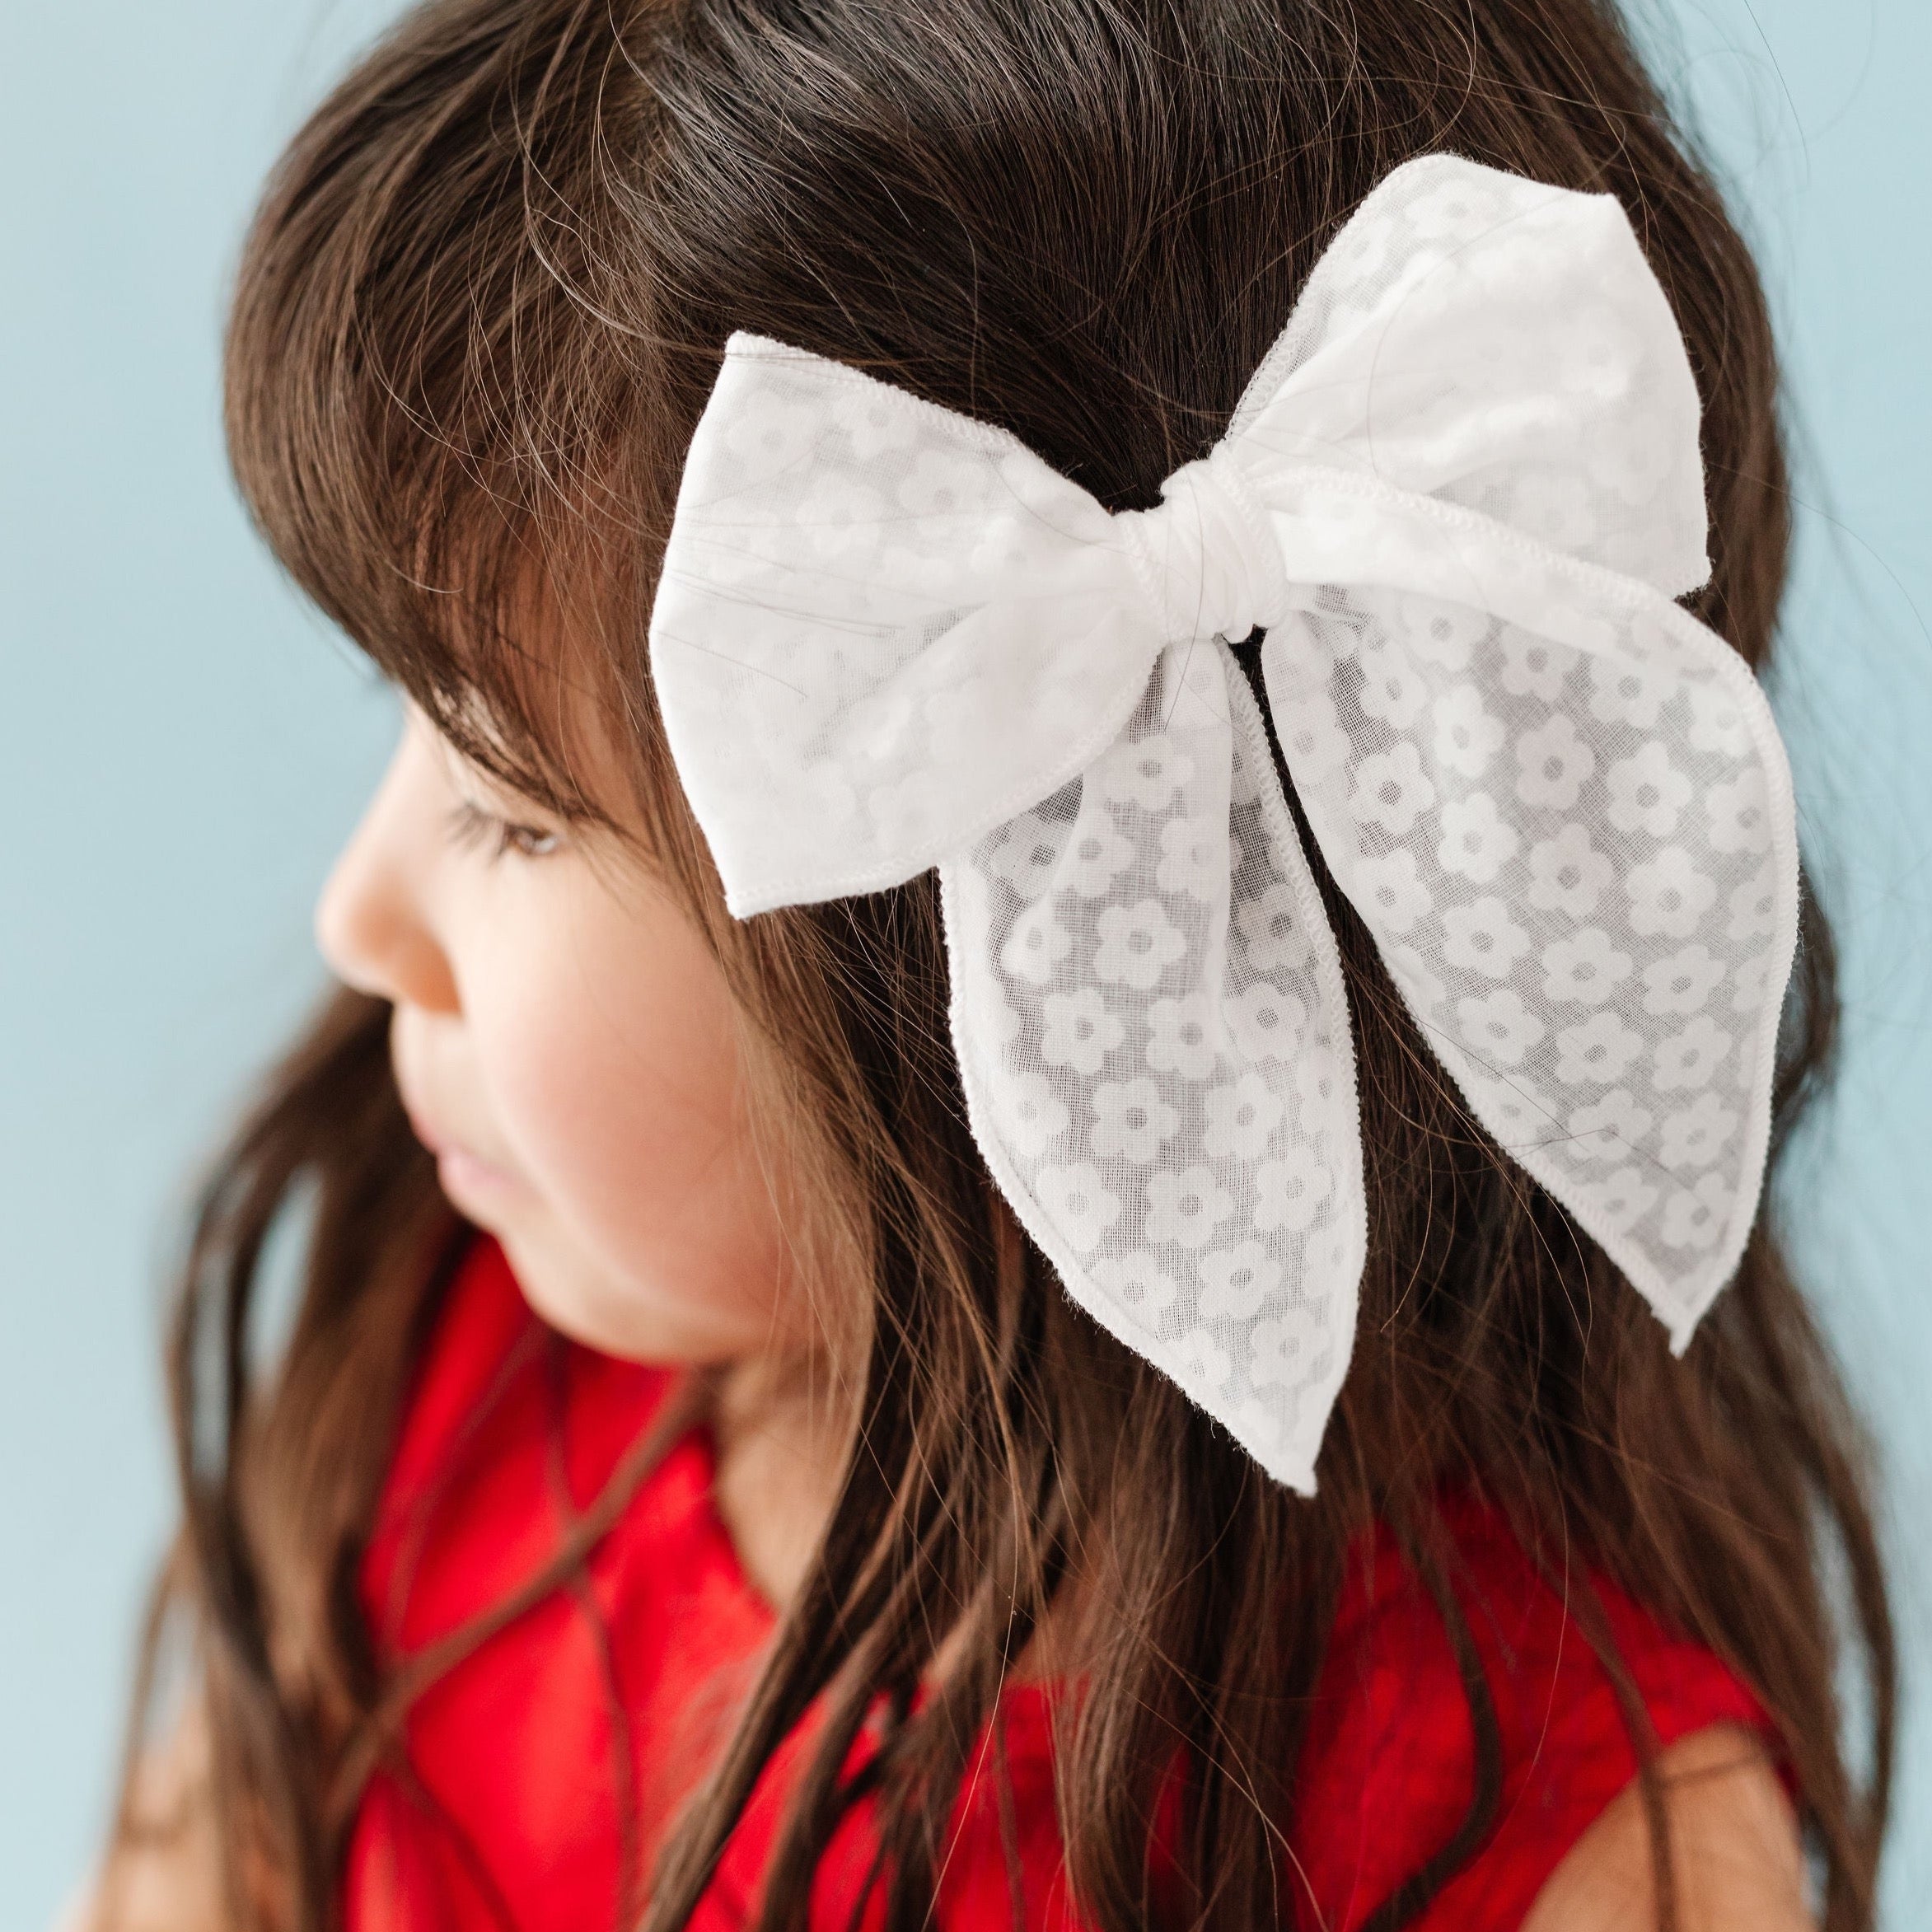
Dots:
(1490, 1769)
(1736, 1858)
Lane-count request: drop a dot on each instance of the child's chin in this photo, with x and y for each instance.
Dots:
(571, 1296)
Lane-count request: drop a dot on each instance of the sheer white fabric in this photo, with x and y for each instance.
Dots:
(1459, 496)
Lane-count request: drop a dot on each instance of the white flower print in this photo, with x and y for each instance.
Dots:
(1686, 1060)
(1392, 689)
(1097, 855)
(1668, 896)
(1236, 1281)
(874, 427)
(1468, 734)
(1317, 1073)
(1441, 633)
(1554, 765)
(1271, 928)
(1609, 1127)
(997, 1021)
(1597, 1051)
(1694, 1217)
(1568, 874)
(1242, 1117)
(1077, 1202)
(911, 810)
(1515, 1117)
(1181, 1038)
(1481, 937)
(1623, 693)
(1024, 852)
(1499, 1027)
(1647, 793)
(1717, 721)
(1623, 1200)
(1455, 211)
(1737, 812)
(939, 483)
(1131, 1120)
(843, 518)
(1754, 908)
(1200, 1358)
(1276, 1346)
(1002, 545)
(775, 435)
(1477, 840)
(1392, 789)
(1696, 1135)
(1748, 982)
(1289, 1194)
(1584, 969)
(1314, 744)
(1035, 1115)
(1635, 467)
(1193, 851)
(1147, 774)
(1138, 943)
(1681, 982)
(881, 725)
(1186, 1207)
(1531, 668)
(1557, 507)
(1389, 891)
(1267, 1024)
(1037, 944)
(1077, 1030)
(1139, 1284)
(1411, 971)
(1596, 353)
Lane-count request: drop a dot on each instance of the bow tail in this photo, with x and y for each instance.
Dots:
(1574, 842)
(1148, 1015)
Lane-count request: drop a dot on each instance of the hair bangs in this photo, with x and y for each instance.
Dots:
(443, 432)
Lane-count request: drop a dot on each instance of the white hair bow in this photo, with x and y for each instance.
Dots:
(1459, 496)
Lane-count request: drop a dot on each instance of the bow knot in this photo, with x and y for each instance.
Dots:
(1209, 554)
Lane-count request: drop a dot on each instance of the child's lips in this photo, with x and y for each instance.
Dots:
(464, 1174)
(466, 1177)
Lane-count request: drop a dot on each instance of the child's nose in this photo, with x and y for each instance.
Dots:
(371, 924)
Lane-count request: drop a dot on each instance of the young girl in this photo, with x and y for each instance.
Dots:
(1116, 1382)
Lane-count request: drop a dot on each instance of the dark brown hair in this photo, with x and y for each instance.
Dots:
(477, 316)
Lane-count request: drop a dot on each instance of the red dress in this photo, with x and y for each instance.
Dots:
(525, 1761)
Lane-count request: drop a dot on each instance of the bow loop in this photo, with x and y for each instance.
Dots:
(1481, 342)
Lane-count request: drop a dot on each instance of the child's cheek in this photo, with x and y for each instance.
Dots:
(620, 1092)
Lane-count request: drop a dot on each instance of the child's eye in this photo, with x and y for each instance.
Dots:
(470, 825)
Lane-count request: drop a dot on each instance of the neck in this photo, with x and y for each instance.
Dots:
(781, 1432)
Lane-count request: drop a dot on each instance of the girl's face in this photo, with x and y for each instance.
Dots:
(565, 1044)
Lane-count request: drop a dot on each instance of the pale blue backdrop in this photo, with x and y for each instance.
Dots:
(181, 746)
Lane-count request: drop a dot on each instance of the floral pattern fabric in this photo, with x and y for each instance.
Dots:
(1459, 499)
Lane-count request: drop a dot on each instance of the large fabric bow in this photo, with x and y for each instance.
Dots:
(1459, 496)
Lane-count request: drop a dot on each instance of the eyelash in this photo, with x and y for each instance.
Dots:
(469, 824)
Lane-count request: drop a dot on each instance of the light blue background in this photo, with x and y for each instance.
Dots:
(182, 745)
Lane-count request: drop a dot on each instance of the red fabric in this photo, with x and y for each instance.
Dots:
(507, 1815)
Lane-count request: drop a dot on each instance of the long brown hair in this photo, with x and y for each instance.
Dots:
(477, 316)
